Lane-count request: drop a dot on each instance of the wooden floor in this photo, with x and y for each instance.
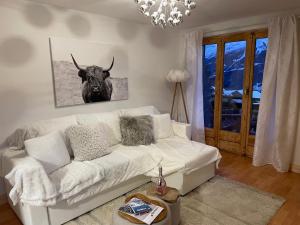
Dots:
(267, 179)
(239, 168)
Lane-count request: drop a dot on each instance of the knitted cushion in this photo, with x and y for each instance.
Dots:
(89, 142)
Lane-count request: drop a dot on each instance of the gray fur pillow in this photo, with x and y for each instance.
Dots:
(137, 130)
(89, 142)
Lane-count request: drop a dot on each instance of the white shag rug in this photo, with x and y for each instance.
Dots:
(219, 201)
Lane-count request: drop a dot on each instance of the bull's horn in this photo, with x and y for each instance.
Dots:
(111, 66)
(75, 63)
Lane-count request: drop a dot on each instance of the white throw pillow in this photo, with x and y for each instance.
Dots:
(162, 126)
(113, 121)
(89, 141)
(50, 150)
(40, 128)
(44, 127)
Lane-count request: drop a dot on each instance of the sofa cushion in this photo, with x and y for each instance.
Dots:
(89, 141)
(56, 124)
(40, 128)
(145, 110)
(162, 126)
(50, 150)
(111, 119)
(137, 130)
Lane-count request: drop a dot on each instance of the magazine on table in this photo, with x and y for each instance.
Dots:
(142, 211)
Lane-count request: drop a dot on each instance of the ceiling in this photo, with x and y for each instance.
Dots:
(207, 11)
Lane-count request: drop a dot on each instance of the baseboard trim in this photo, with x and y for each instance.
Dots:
(295, 168)
(3, 199)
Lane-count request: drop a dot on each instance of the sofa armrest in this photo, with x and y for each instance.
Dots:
(183, 130)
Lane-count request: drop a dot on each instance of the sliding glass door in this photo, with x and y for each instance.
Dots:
(232, 79)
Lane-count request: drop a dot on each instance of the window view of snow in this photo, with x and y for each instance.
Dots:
(234, 64)
(209, 77)
(259, 64)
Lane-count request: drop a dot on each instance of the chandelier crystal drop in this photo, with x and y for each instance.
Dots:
(165, 12)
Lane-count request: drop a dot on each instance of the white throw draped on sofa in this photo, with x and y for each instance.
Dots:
(194, 88)
(277, 126)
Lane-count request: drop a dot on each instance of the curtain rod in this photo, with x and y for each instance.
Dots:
(235, 28)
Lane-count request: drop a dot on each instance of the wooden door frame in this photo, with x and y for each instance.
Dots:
(237, 142)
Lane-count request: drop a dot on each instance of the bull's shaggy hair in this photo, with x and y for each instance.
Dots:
(137, 130)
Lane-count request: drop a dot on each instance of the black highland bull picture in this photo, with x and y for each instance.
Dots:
(96, 87)
(86, 72)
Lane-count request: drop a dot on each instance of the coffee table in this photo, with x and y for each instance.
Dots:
(171, 199)
(118, 220)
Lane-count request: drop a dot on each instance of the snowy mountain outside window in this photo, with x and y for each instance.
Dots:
(259, 64)
(209, 78)
(232, 97)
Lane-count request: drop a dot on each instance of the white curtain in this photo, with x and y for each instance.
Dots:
(279, 111)
(194, 88)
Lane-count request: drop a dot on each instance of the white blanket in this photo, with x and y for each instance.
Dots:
(182, 155)
(31, 184)
(124, 163)
(79, 180)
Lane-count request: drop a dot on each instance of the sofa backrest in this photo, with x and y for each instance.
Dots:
(112, 119)
(145, 110)
(43, 127)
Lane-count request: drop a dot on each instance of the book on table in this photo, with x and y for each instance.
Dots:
(140, 210)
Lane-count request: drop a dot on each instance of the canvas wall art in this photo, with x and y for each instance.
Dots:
(87, 72)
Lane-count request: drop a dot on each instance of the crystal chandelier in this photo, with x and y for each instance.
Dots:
(163, 12)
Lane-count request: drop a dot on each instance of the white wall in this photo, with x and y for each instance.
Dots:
(26, 91)
(26, 88)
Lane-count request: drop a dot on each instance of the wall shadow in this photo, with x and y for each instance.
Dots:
(127, 31)
(15, 51)
(14, 104)
(79, 25)
(38, 15)
(121, 61)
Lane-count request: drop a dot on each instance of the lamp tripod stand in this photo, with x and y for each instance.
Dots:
(179, 85)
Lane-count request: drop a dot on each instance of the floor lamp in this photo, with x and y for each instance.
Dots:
(178, 77)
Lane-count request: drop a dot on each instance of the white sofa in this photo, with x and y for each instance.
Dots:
(186, 165)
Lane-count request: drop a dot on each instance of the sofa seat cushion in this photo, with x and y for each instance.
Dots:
(123, 163)
(183, 155)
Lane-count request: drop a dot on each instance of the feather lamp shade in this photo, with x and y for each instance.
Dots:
(175, 76)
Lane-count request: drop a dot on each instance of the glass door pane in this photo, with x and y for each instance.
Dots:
(209, 78)
(233, 81)
(261, 46)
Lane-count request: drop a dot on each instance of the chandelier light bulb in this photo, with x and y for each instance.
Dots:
(166, 12)
(187, 12)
